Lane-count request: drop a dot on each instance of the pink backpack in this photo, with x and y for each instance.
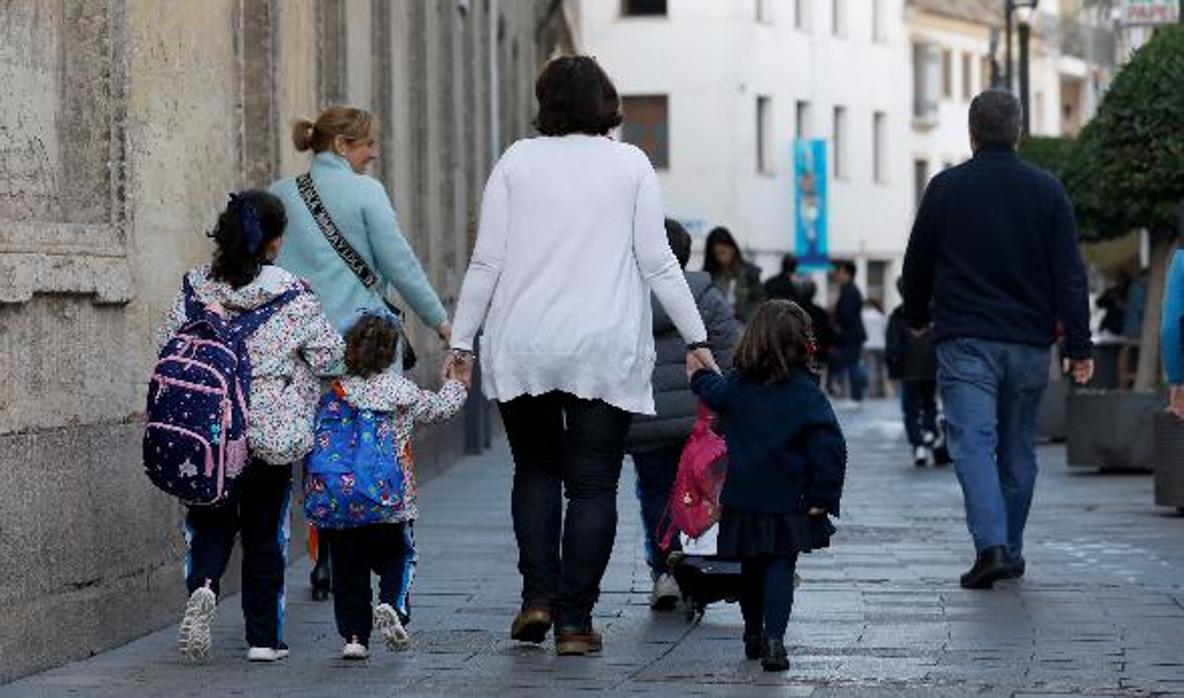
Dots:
(702, 469)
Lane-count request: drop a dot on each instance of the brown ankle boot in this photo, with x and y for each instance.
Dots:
(577, 641)
(531, 625)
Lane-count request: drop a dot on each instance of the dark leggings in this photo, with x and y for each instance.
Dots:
(564, 447)
(766, 596)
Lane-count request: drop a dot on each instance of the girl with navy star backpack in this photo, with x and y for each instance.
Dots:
(230, 406)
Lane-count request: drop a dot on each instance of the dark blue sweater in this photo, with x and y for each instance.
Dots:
(994, 246)
(786, 452)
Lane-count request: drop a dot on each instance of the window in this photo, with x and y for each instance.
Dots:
(947, 73)
(879, 147)
(877, 281)
(647, 126)
(878, 30)
(920, 180)
(801, 14)
(764, 13)
(801, 120)
(967, 77)
(764, 135)
(926, 81)
(986, 78)
(643, 8)
(1038, 112)
(839, 139)
(838, 17)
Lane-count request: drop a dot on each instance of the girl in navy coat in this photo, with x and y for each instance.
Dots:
(787, 459)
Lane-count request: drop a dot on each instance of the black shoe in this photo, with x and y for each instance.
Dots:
(990, 566)
(1018, 567)
(754, 645)
(775, 657)
(320, 579)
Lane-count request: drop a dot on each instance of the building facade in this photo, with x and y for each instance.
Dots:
(124, 125)
(957, 49)
(718, 92)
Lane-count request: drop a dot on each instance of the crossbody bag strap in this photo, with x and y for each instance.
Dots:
(349, 255)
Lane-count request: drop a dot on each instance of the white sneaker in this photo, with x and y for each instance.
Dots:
(920, 456)
(354, 650)
(267, 654)
(194, 639)
(665, 594)
(387, 622)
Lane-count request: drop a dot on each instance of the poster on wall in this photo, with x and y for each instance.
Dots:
(1137, 13)
(810, 203)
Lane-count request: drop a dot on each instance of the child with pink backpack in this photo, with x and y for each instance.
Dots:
(230, 407)
(786, 462)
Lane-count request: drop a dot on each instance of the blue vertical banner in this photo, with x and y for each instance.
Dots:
(810, 203)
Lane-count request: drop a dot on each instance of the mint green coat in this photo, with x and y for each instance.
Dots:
(360, 207)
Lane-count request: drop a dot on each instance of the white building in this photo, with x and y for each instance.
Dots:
(717, 90)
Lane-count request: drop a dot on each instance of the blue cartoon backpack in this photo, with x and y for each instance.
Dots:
(195, 439)
(353, 476)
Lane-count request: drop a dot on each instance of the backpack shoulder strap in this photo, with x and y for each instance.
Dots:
(349, 255)
(193, 307)
(246, 323)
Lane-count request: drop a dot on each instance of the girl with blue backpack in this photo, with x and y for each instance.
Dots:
(359, 481)
(230, 406)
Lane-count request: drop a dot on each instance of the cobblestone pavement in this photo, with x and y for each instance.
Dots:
(1101, 611)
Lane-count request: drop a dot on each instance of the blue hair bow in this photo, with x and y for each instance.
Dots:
(248, 219)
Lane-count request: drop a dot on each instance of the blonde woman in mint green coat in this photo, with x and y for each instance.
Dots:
(342, 141)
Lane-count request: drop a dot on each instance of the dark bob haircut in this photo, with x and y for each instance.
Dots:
(995, 119)
(576, 96)
(778, 341)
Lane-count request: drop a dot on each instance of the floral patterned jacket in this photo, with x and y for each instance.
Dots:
(409, 405)
(287, 353)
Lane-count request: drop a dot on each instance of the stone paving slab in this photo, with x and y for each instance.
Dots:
(1101, 612)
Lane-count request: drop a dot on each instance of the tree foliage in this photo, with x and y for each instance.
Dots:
(1126, 169)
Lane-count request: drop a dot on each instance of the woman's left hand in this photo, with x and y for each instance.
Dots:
(445, 333)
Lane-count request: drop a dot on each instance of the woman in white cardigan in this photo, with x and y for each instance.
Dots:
(570, 245)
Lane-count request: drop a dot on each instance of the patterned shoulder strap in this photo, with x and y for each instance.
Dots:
(349, 255)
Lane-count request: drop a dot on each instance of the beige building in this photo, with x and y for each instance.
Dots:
(124, 124)
(953, 43)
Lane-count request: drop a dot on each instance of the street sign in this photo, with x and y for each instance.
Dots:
(1135, 13)
(810, 203)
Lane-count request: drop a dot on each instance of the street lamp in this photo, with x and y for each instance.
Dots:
(1024, 10)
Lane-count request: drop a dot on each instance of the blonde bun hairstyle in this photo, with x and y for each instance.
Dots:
(350, 123)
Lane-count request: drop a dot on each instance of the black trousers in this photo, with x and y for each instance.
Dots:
(259, 513)
(766, 597)
(564, 446)
(353, 553)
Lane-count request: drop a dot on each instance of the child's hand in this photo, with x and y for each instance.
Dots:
(816, 511)
(462, 372)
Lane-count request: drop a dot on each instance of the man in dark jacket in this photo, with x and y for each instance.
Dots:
(994, 254)
(785, 284)
(849, 335)
(656, 443)
(819, 318)
(912, 361)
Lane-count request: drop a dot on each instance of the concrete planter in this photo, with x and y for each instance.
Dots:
(1169, 461)
(1112, 430)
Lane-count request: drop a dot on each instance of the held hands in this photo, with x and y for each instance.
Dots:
(699, 360)
(458, 367)
(1082, 370)
(445, 333)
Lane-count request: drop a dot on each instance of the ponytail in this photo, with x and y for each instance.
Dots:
(250, 221)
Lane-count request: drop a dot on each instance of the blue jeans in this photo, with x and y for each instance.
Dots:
(656, 472)
(991, 392)
(848, 363)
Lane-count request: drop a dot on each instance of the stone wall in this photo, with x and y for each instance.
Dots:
(123, 126)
